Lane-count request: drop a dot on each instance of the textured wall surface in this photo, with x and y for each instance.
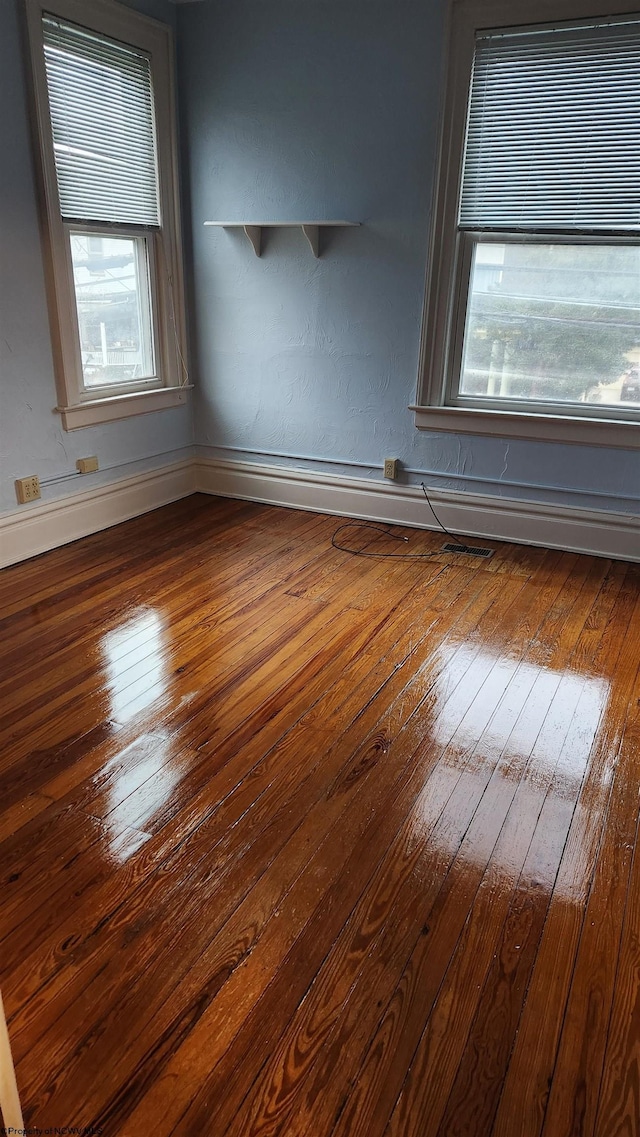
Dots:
(292, 109)
(311, 109)
(32, 440)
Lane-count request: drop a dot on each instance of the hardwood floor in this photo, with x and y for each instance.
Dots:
(295, 843)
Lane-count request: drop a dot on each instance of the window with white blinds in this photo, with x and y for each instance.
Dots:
(553, 132)
(102, 119)
(105, 133)
(532, 311)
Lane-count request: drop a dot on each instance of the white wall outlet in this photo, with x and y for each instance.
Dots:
(87, 465)
(27, 489)
(391, 468)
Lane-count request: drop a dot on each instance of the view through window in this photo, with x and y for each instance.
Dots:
(114, 312)
(554, 322)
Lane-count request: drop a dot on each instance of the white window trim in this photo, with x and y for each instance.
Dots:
(78, 405)
(443, 321)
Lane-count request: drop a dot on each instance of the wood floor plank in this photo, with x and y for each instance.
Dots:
(224, 771)
(526, 1088)
(619, 1091)
(302, 844)
(90, 575)
(466, 695)
(373, 1096)
(483, 1064)
(360, 765)
(347, 782)
(118, 680)
(573, 1097)
(269, 725)
(213, 563)
(13, 817)
(484, 1038)
(383, 932)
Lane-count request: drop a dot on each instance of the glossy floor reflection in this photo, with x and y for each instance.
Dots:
(135, 663)
(301, 844)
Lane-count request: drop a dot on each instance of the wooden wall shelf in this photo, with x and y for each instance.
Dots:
(311, 230)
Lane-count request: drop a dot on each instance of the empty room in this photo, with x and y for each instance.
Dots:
(320, 568)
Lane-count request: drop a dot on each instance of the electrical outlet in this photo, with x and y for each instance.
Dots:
(28, 489)
(391, 468)
(87, 465)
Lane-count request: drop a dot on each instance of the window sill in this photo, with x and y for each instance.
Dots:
(542, 427)
(116, 407)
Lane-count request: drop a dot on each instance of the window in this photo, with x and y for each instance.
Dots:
(104, 93)
(532, 320)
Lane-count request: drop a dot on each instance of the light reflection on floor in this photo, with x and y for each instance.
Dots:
(525, 739)
(136, 664)
(535, 690)
(534, 723)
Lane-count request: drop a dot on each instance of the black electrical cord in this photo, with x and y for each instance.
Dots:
(454, 537)
(384, 529)
(387, 533)
(438, 521)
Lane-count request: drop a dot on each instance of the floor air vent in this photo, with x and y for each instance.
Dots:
(469, 550)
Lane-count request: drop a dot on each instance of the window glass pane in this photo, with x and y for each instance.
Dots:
(114, 314)
(554, 322)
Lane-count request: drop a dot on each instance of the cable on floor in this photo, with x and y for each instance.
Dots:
(387, 532)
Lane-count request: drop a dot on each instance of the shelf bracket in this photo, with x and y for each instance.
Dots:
(312, 233)
(311, 230)
(254, 233)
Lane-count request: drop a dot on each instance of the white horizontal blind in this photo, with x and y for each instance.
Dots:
(553, 136)
(102, 116)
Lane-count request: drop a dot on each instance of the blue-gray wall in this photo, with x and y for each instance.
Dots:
(291, 109)
(316, 109)
(32, 440)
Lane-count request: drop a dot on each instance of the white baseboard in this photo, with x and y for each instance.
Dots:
(599, 533)
(37, 528)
